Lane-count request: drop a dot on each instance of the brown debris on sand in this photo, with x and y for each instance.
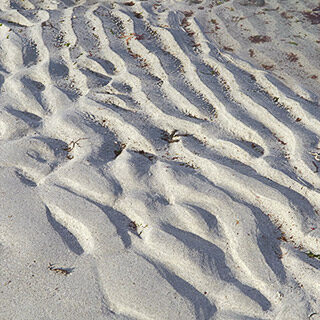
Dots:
(313, 16)
(259, 39)
(292, 57)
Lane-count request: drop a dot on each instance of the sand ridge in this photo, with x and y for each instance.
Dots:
(146, 151)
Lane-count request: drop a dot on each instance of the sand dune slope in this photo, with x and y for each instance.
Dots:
(152, 166)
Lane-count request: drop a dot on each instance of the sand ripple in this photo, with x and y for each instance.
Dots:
(179, 180)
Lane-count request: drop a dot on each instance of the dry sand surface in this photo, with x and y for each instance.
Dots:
(159, 159)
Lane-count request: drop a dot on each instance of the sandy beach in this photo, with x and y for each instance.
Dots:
(159, 160)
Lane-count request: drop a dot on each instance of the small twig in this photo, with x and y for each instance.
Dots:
(131, 36)
(312, 255)
(72, 144)
(170, 137)
(316, 155)
(134, 226)
(317, 168)
(145, 154)
(64, 271)
(312, 314)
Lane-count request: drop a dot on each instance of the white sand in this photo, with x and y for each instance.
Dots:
(158, 163)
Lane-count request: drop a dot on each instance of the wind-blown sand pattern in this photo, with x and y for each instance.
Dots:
(159, 160)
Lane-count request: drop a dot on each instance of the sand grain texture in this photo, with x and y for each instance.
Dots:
(159, 160)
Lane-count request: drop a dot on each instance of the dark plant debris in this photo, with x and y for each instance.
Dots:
(133, 225)
(118, 151)
(172, 137)
(312, 255)
(292, 57)
(146, 154)
(259, 39)
(138, 15)
(227, 48)
(63, 271)
(313, 16)
(267, 67)
(316, 167)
